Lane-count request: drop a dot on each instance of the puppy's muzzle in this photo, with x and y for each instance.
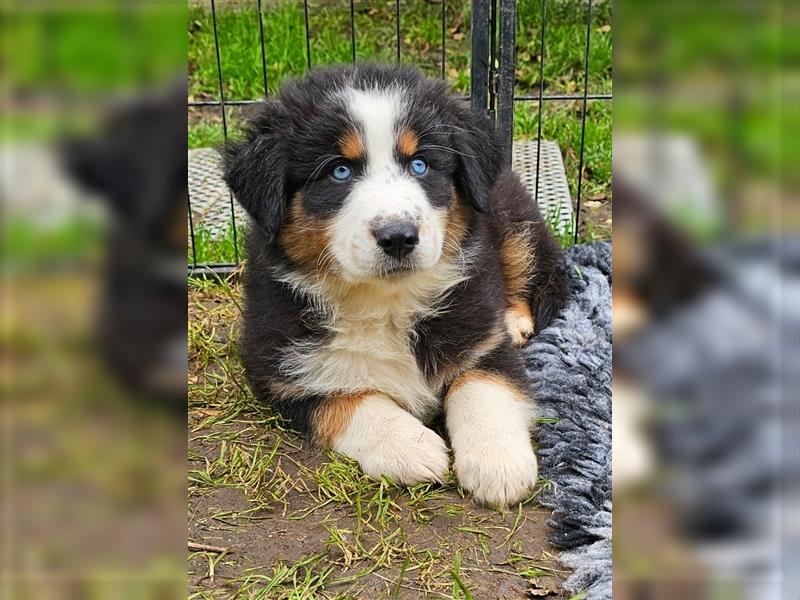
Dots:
(397, 238)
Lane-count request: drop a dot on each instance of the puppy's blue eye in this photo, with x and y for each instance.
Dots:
(342, 173)
(418, 166)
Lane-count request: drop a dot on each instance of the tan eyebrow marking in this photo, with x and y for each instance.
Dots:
(351, 146)
(407, 142)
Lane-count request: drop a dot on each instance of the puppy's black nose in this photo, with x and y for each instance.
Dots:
(397, 239)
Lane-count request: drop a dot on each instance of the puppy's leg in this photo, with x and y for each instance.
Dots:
(385, 439)
(534, 279)
(489, 419)
(517, 263)
(532, 263)
(519, 322)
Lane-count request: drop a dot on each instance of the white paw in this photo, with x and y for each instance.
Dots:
(488, 419)
(386, 440)
(497, 473)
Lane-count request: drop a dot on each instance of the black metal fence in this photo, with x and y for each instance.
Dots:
(492, 86)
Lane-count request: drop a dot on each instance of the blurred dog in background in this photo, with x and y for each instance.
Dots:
(137, 163)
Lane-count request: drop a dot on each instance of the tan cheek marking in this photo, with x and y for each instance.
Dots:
(479, 376)
(407, 142)
(351, 146)
(333, 415)
(304, 238)
(457, 226)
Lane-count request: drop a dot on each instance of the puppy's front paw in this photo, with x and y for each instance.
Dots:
(519, 323)
(488, 419)
(497, 473)
(386, 440)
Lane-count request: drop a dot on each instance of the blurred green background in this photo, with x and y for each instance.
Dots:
(63, 65)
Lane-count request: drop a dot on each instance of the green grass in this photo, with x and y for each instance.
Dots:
(205, 135)
(285, 48)
(208, 248)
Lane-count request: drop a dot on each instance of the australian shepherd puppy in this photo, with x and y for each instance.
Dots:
(392, 271)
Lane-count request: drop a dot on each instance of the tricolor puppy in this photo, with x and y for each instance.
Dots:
(392, 269)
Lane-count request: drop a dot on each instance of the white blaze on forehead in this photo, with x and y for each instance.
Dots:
(384, 191)
(377, 112)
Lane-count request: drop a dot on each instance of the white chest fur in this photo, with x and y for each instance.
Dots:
(368, 345)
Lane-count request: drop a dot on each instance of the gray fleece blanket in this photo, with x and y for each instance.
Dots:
(569, 364)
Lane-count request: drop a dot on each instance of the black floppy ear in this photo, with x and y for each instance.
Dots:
(255, 169)
(480, 159)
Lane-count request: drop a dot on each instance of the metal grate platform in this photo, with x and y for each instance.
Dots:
(211, 201)
(208, 194)
(554, 199)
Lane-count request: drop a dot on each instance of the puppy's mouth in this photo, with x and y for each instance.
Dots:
(389, 267)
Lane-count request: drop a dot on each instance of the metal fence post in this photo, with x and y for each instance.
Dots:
(583, 118)
(479, 70)
(506, 78)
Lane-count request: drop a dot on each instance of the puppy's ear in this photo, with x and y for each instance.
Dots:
(480, 159)
(255, 169)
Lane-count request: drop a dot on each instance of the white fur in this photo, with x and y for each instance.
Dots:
(489, 426)
(386, 440)
(377, 112)
(384, 192)
(369, 346)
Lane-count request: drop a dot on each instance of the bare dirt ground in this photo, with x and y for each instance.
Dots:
(297, 522)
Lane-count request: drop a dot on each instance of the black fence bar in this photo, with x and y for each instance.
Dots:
(215, 271)
(492, 59)
(479, 68)
(397, 27)
(552, 97)
(353, 28)
(583, 118)
(221, 102)
(507, 78)
(308, 34)
(218, 103)
(191, 233)
(542, 48)
(263, 52)
(444, 36)
(224, 122)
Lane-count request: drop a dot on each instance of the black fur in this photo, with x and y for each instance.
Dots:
(480, 156)
(285, 143)
(256, 169)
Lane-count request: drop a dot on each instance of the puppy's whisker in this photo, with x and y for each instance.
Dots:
(444, 149)
(440, 127)
(319, 168)
(326, 261)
